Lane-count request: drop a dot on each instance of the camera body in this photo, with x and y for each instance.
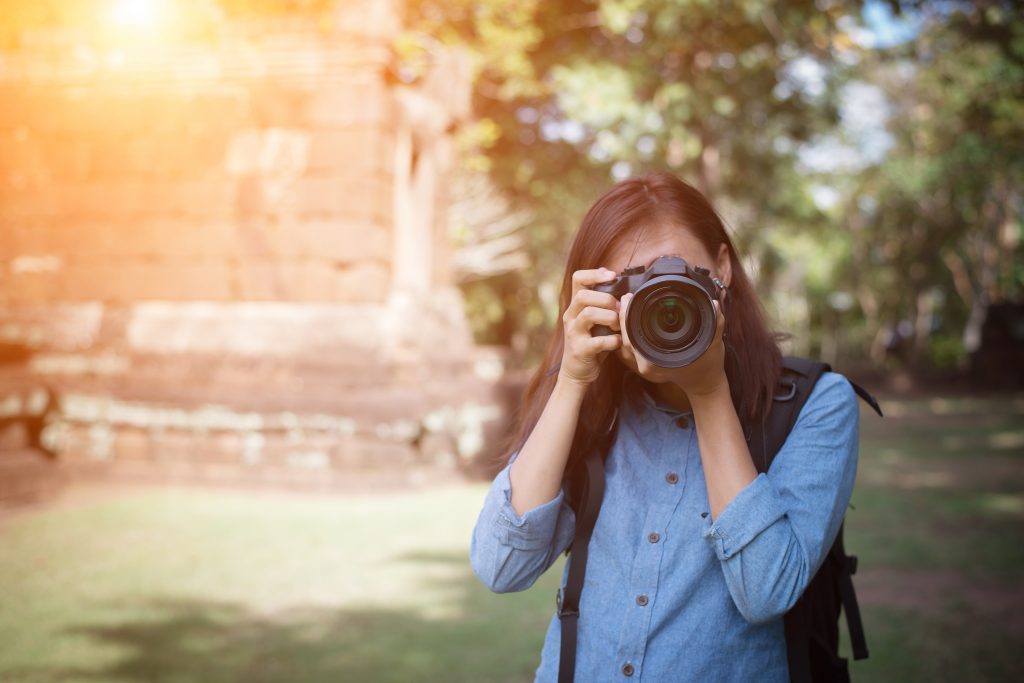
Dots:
(671, 320)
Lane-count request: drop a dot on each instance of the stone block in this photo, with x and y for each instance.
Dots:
(174, 445)
(308, 281)
(132, 444)
(211, 198)
(364, 452)
(364, 282)
(59, 326)
(127, 282)
(74, 443)
(275, 105)
(215, 240)
(164, 238)
(274, 151)
(340, 105)
(369, 19)
(254, 330)
(29, 287)
(259, 281)
(13, 437)
(89, 281)
(367, 198)
(224, 447)
(302, 280)
(28, 238)
(15, 111)
(337, 241)
(352, 151)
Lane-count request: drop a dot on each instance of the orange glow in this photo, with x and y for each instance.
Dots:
(138, 14)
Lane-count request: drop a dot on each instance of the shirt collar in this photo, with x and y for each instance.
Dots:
(640, 387)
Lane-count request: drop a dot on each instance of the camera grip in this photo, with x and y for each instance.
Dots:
(600, 331)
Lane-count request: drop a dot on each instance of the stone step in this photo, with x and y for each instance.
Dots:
(27, 476)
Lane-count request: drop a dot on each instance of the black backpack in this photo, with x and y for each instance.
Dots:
(812, 624)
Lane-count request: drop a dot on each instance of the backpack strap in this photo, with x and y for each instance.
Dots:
(848, 597)
(799, 375)
(798, 379)
(588, 505)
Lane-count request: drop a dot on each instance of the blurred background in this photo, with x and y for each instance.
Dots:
(273, 274)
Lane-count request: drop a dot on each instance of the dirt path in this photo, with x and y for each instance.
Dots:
(936, 593)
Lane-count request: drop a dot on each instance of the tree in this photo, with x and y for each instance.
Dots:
(572, 94)
(935, 224)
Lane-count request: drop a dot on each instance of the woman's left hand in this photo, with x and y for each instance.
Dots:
(704, 376)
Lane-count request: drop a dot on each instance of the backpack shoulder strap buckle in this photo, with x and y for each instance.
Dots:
(790, 388)
(562, 609)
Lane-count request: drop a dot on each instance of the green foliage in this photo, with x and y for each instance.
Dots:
(732, 96)
(945, 351)
(576, 91)
(942, 210)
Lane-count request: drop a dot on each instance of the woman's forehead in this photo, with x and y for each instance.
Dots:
(641, 246)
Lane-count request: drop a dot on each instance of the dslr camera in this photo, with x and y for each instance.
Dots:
(671, 319)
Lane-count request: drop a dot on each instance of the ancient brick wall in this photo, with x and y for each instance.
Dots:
(228, 257)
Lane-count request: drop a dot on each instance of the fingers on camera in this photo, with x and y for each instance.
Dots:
(588, 297)
(592, 315)
(605, 343)
(589, 278)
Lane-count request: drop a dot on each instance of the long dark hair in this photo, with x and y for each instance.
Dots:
(753, 361)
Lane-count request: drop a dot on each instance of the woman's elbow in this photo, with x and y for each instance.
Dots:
(493, 567)
(759, 612)
(496, 577)
(771, 598)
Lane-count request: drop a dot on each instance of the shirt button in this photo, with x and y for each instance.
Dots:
(672, 478)
(654, 537)
(641, 600)
(682, 422)
(627, 669)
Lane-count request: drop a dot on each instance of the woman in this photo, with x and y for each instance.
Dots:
(695, 557)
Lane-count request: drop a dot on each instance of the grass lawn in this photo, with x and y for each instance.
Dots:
(207, 586)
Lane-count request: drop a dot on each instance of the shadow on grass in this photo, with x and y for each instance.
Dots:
(483, 638)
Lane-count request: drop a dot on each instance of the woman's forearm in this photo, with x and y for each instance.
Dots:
(536, 475)
(728, 468)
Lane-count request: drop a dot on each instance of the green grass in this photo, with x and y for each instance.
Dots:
(938, 524)
(208, 586)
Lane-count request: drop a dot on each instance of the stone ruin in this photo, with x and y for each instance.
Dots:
(229, 261)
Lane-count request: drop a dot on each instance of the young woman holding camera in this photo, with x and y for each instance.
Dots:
(695, 556)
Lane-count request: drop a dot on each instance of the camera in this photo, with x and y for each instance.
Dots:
(671, 319)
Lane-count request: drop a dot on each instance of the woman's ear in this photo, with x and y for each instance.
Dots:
(724, 265)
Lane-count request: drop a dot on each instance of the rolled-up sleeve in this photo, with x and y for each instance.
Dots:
(509, 551)
(773, 536)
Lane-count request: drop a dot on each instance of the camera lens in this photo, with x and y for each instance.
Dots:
(669, 315)
(671, 320)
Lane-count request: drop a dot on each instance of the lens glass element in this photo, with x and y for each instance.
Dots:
(670, 320)
(670, 314)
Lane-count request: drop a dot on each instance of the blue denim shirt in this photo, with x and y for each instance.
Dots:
(672, 593)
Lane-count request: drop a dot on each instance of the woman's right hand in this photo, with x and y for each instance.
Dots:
(582, 354)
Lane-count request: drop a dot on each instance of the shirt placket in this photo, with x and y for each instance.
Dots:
(667, 487)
